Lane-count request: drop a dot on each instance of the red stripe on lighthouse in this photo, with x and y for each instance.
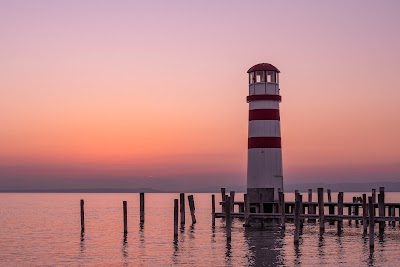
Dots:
(264, 114)
(263, 97)
(264, 142)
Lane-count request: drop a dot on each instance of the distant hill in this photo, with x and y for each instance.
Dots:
(345, 187)
(86, 190)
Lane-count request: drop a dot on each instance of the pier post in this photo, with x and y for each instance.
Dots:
(213, 209)
(246, 211)
(311, 206)
(192, 208)
(381, 207)
(228, 219)
(349, 213)
(182, 208)
(297, 218)
(371, 222)
(82, 216)
(232, 197)
(125, 208)
(393, 214)
(321, 208)
(374, 195)
(282, 209)
(223, 199)
(141, 207)
(175, 218)
(355, 209)
(301, 211)
(340, 212)
(329, 195)
(365, 212)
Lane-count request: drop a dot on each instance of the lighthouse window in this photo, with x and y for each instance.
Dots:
(251, 77)
(271, 77)
(260, 77)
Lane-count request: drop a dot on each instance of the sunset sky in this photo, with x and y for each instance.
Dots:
(111, 93)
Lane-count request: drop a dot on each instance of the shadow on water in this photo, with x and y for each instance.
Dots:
(265, 245)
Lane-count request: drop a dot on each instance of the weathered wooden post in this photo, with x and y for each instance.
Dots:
(213, 209)
(246, 211)
(175, 218)
(141, 207)
(340, 212)
(82, 215)
(232, 197)
(228, 219)
(311, 206)
(329, 195)
(374, 195)
(192, 208)
(282, 209)
(356, 213)
(393, 214)
(365, 212)
(223, 199)
(125, 208)
(371, 222)
(297, 218)
(301, 211)
(182, 207)
(261, 203)
(321, 208)
(349, 213)
(381, 207)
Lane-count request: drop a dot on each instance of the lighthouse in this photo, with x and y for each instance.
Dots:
(264, 159)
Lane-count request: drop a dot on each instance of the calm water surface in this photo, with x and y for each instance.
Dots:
(44, 230)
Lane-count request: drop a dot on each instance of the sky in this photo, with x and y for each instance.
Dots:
(137, 93)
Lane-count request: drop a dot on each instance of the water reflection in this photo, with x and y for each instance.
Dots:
(125, 254)
(82, 244)
(265, 245)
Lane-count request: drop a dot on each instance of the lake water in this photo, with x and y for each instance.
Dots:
(44, 230)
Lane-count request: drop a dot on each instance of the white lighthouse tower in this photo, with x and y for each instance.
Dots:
(264, 161)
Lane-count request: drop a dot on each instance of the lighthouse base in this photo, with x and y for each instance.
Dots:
(261, 200)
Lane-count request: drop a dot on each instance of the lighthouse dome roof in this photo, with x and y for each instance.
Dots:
(263, 67)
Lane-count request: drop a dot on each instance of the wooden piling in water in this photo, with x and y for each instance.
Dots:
(232, 203)
(182, 207)
(282, 209)
(175, 218)
(228, 219)
(125, 208)
(223, 199)
(329, 195)
(192, 208)
(340, 212)
(141, 207)
(393, 214)
(297, 218)
(213, 209)
(374, 195)
(381, 207)
(246, 211)
(321, 208)
(311, 207)
(365, 213)
(371, 222)
(82, 215)
(301, 211)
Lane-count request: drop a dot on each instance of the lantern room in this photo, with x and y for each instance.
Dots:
(263, 73)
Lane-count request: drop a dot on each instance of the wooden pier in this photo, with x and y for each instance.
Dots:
(364, 209)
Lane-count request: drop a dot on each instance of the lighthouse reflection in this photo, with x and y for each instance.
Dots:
(265, 246)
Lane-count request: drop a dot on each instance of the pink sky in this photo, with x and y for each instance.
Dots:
(158, 88)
